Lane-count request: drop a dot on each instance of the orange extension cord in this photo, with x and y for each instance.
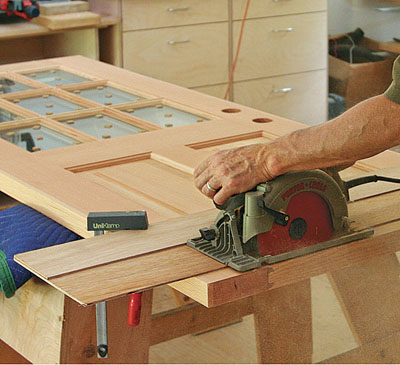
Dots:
(237, 51)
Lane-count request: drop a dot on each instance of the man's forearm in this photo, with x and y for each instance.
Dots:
(363, 131)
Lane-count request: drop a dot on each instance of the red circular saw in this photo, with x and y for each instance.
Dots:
(292, 215)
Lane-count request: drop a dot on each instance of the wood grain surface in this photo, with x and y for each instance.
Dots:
(83, 254)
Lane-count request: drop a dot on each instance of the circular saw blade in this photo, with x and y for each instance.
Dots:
(310, 223)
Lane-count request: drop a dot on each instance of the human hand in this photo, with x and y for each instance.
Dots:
(232, 171)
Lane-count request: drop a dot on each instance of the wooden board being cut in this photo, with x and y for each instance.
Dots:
(147, 271)
(60, 260)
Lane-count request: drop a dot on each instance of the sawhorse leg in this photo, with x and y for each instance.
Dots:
(126, 344)
(369, 293)
(283, 324)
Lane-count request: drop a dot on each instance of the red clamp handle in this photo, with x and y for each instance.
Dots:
(134, 309)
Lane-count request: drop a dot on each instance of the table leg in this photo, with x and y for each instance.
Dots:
(126, 344)
(283, 324)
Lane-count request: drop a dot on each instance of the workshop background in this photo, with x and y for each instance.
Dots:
(302, 81)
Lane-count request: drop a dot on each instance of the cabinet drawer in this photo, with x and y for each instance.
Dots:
(282, 45)
(300, 97)
(189, 56)
(265, 8)
(146, 14)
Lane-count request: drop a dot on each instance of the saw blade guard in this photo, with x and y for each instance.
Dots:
(278, 193)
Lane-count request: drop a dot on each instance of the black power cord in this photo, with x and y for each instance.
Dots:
(368, 179)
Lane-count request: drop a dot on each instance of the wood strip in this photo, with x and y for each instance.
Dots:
(79, 255)
(131, 275)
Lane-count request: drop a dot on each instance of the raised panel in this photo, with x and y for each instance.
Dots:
(264, 8)
(144, 14)
(301, 97)
(282, 45)
(158, 188)
(188, 56)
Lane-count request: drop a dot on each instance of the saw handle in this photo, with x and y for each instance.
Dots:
(280, 218)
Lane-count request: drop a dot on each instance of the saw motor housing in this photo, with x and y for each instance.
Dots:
(291, 215)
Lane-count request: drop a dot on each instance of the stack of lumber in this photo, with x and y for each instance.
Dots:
(66, 14)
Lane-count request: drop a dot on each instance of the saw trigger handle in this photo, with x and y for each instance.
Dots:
(280, 218)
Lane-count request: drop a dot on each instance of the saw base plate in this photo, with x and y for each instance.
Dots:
(247, 262)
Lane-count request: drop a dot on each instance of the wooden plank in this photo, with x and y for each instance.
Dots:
(63, 7)
(223, 286)
(88, 286)
(143, 272)
(79, 255)
(283, 324)
(126, 344)
(69, 20)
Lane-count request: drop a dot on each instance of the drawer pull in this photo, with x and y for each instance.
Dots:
(278, 1)
(178, 9)
(278, 30)
(172, 43)
(389, 9)
(284, 90)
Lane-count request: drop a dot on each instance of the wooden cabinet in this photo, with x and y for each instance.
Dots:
(268, 8)
(298, 95)
(184, 42)
(192, 43)
(192, 55)
(144, 14)
(282, 64)
(281, 45)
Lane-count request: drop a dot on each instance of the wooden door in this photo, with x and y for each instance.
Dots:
(105, 139)
(131, 143)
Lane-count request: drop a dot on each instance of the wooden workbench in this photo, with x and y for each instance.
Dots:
(23, 40)
(152, 171)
